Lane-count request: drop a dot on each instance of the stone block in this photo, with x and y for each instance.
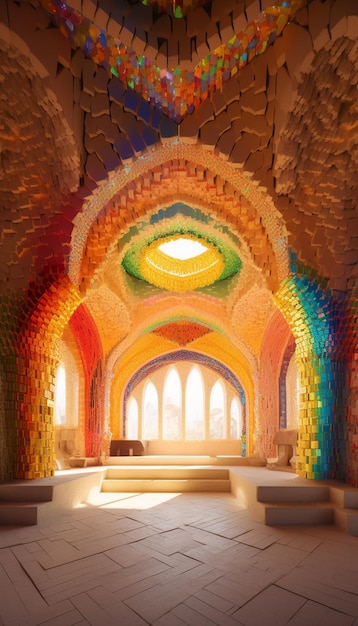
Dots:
(101, 18)
(99, 105)
(101, 80)
(226, 29)
(95, 168)
(253, 10)
(76, 64)
(298, 49)
(197, 22)
(88, 74)
(247, 144)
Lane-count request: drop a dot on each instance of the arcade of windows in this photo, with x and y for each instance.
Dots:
(184, 402)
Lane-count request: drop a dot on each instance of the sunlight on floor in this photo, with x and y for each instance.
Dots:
(138, 501)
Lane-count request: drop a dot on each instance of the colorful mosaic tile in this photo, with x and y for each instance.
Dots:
(152, 162)
(175, 91)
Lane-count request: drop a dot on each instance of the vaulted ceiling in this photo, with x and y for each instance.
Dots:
(114, 114)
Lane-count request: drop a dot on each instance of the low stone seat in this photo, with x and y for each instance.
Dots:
(286, 442)
(126, 447)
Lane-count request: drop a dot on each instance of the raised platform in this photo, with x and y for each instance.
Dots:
(185, 459)
(272, 497)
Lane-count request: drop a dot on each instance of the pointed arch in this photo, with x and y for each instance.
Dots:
(150, 411)
(194, 405)
(217, 411)
(172, 405)
(164, 182)
(131, 431)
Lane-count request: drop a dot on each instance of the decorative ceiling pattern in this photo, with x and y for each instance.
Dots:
(175, 90)
(145, 261)
(244, 111)
(182, 332)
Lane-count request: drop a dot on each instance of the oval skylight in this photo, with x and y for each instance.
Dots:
(182, 248)
(180, 256)
(190, 264)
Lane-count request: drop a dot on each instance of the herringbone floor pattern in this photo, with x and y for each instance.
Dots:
(172, 560)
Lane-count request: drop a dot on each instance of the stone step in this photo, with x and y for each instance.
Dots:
(347, 520)
(292, 494)
(15, 492)
(19, 513)
(182, 473)
(217, 460)
(170, 485)
(344, 496)
(293, 513)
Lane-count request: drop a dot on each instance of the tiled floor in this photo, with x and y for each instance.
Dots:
(171, 560)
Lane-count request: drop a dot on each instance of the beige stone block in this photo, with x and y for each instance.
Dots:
(99, 105)
(284, 97)
(253, 10)
(162, 27)
(234, 110)
(76, 64)
(218, 8)
(127, 32)
(231, 90)
(161, 58)
(339, 21)
(151, 48)
(85, 102)
(279, 51)
(352, 29)
(88, 74)
(89, 8)
(101, 18)
(101, 80)
(95, 168)
(298, 48)
(247, 144)
(318, 19)
(198, 22)
(301, 16)
(113, 27)
(63, 85)
(259, 67)
(202, 47)
(226, 29)
(225, 144)
(246, 78)
(173, 49)
(139, 41)
(213, 37)
(184, 54)
(209, 135)
(188, 129)
(255, 104)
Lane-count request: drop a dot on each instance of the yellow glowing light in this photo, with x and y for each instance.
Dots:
(182, 248)
(180, 263)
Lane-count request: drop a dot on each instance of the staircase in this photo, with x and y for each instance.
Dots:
(20, 503)
(271, 499)
(166, 480)
(295, 505)
(313, 504)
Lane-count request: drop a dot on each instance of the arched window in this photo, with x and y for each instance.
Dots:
(60, 396)
(194, 406)
(235, 419)
(172, 406)
(150, 412)
(132, 421)
(217, 412)
(292, 393)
